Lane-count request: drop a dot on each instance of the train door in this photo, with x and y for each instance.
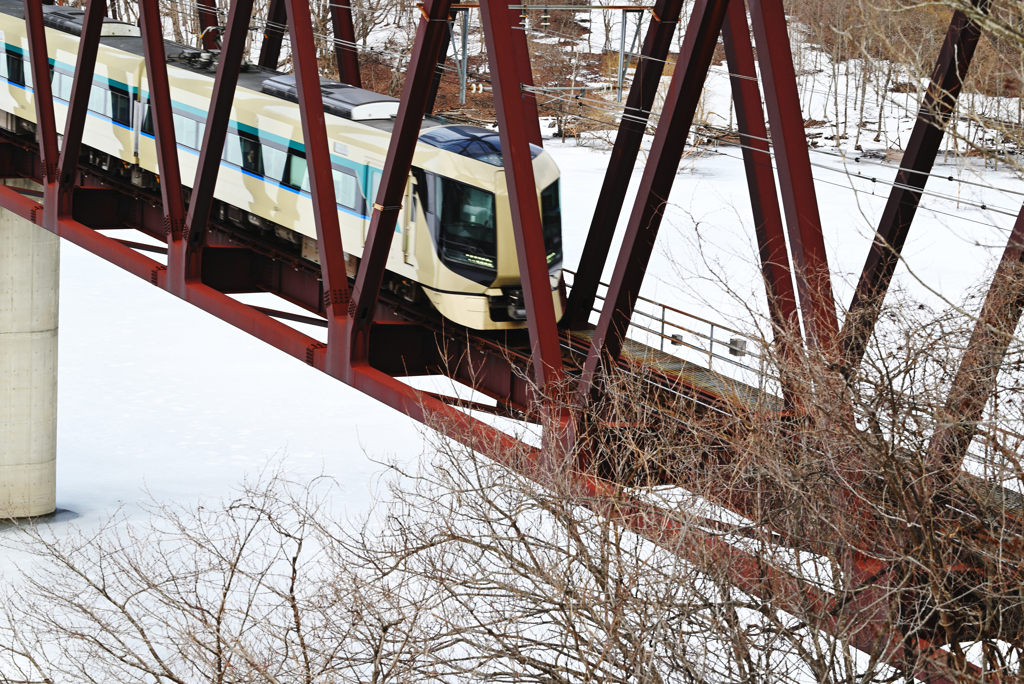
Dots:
(409, 221)
(140, 107)
(373, 177)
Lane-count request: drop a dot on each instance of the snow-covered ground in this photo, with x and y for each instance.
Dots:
(159, 399)
(157, 395)
(706, 259)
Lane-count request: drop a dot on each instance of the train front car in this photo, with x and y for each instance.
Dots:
(464, 201)
(454, 243)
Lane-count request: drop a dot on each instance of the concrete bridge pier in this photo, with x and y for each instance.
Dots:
(29, 280)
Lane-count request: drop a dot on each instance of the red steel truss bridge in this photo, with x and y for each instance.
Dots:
(374, 337)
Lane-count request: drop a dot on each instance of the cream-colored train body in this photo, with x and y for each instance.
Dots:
(454, 243)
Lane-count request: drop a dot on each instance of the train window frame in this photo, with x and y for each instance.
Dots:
(472, 264)
(98, 100)
(120, 106)
(350, 197)
(375, 177)
(249, 157)
(232, 150)
(200, 134)
(346, 188)
(147, 121)
(17, 75)
(550, 219)
(252, 154)
(296, 168)
(62, 85)
(275, 162)
(426, 188)
(185, 129)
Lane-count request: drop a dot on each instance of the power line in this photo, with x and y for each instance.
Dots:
(621, 111)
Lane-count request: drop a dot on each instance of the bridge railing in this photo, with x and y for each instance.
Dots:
(695, 339)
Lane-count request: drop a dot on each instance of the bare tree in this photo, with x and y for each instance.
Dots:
(473, 570)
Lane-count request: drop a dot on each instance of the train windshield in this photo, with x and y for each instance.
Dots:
(467, 224)
(551, 216)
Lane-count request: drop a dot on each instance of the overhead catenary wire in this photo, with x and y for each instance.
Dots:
(940, 176)
(983, 207)
(850, 187)
(621, 111)
(876, 180)
(283, 27)
(614, 107)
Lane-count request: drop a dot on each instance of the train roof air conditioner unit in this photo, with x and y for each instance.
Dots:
(70, 19)
(339, 99)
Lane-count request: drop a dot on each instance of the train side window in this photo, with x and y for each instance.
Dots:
(425, 192)
(120, 106)
(62, 84)
(467, 225)
(244, 150)
(26, 70)
(252, 157)
(274, 161)
(375, 175)
(98, 100)
(233, 149)
(15, 69)
(345, 188)
(297, 176)
(3, 65)
(551, 220)
(147, 121)
(184, 131)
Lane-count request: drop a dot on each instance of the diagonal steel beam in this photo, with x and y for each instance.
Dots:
(894, 226)
(273, 34)
(442, 56)
(655, 185)
(979, 368)
(388, 203)
(515, 129)
(799, 202)
(345, 50)
(163, 123)
(519, 50)
(321, 182)
(757, 162)
(189, 267)
(78, 105)
(39, 59)
(208, 22)
(631, 131)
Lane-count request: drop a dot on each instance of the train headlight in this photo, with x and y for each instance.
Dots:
(480, 261)
(555, 277)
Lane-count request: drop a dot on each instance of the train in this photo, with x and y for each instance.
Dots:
(453, 246)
